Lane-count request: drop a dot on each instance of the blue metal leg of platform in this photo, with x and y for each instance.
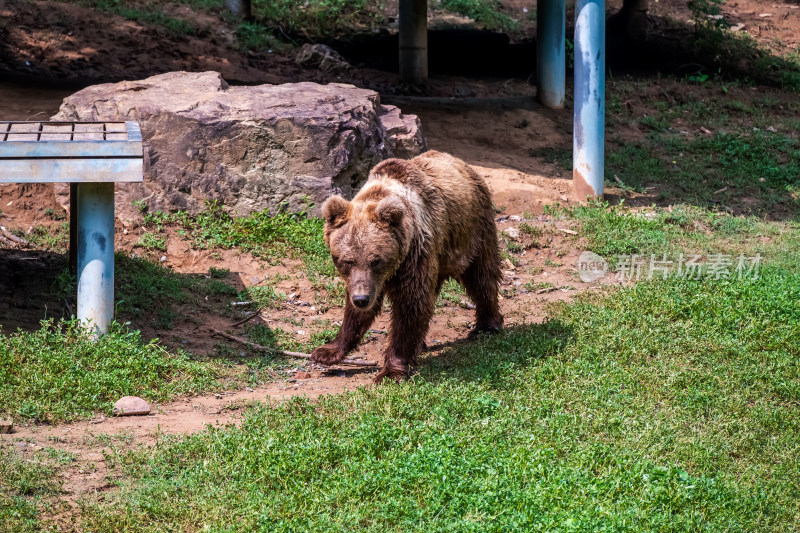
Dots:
(550, 58)
(96, 255)
(589, 120)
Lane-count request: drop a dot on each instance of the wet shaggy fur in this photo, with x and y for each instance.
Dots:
(412, 226)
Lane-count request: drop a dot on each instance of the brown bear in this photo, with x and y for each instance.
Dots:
(412, 226)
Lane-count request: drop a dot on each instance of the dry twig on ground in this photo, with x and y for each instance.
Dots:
(355, 362)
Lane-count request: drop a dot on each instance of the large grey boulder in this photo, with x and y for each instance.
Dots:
(249, 148)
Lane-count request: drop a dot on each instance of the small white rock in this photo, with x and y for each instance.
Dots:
(131, 405)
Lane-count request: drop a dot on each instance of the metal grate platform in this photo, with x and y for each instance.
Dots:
(68, 131)
(38, 152)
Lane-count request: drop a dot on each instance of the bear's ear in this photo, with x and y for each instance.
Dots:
(390, 211)
(335, 210)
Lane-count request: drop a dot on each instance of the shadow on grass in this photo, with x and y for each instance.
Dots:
(36, 285)
(495, 359)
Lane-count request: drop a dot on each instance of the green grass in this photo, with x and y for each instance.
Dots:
(28, 487)
(758, 164)
(612, 231)
(667, 406)
(57, 373)
(739, 56)
(329, 292)
(720, 146)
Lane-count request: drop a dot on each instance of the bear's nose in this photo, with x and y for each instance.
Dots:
(361, 300)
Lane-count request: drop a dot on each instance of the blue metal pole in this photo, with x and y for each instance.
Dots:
(96, 255)
(73, 227)
(550, 57)
(590, 88)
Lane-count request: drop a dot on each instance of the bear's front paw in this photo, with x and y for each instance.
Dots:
(391, 375)
(328, 354)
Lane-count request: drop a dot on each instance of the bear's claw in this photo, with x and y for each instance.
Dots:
(328, 354)
(475, 333)
(386, 374)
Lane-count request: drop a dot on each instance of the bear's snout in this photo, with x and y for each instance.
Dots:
(361, 300)
(362, 287)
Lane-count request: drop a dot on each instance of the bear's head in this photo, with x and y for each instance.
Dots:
(367, 240)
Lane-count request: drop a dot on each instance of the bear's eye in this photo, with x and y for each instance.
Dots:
(375, 263)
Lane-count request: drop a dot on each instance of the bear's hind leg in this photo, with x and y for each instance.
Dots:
(481, 281)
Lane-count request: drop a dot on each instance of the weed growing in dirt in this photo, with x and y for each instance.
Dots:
(330, 293)
(486, 12)
(561, 157)
(534, 232)
(264, 296)
(58, 373)
(254, 36)
(219, 273)
(148, 15)
(53, 239)
(739, 56)
(452, 292)
(318, 17)
(670, 405)
(280, 339)
(151, 241)
(534, 286)
(271, 237)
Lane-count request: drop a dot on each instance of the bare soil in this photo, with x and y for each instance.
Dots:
(53, 47)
